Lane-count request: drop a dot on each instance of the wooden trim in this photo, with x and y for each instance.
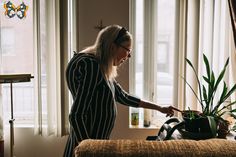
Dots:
(232, 11)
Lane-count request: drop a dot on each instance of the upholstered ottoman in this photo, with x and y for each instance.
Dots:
(143, 148)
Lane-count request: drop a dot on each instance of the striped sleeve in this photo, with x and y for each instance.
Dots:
(124, 98)
(87, 73)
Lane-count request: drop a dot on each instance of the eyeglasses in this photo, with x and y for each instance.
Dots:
(127, 49)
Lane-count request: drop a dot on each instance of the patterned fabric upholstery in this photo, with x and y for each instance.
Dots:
(170, 148)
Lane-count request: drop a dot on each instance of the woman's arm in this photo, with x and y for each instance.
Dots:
(169, 111)
(129, 100)
(125, 98)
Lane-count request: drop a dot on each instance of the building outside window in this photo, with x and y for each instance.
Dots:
(17, 56)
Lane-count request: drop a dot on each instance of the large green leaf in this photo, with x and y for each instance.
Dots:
(211, 92)
(189, 62)
(229, 93)
(212, 80)
(219, 78)
(224, 96)
(212, 124)
(225, 88)
(221, 99)
(206, 79)
(234, 110)
(198, 81)
(207, 66)
(204, 93)
(192, 90)
(221, 74)
(230, 105)
(226, 106)
(227, 62)
(205, 99)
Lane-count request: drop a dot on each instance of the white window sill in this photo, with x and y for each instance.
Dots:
(143, 127)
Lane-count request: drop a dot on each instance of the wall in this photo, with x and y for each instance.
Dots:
(90, 14)
(29, 145)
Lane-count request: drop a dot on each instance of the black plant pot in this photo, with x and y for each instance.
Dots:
(196, 123)
(191, 125)
(199, 126)
(204, 126)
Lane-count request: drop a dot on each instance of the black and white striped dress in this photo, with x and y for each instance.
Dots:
(93, 111)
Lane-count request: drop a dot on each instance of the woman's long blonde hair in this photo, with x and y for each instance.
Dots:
(102, 48)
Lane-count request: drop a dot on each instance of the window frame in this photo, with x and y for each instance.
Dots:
(150, 62)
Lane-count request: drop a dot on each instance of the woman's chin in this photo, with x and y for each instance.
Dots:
(121, 62)
(118, 63)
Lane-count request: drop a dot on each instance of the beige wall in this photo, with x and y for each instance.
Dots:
(90, 14)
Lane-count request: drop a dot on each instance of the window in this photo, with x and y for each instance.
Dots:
(165, 32)
(17, 56)
(38, 50)
(154, 53)
(8, 41)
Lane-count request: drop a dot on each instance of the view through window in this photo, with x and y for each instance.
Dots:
(161, 47)
(17, 57)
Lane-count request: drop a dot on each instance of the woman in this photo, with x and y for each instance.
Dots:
(91, 80)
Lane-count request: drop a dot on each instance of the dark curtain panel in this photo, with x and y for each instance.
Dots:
(232, 10)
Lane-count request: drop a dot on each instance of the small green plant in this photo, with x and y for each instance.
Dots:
(191, 114)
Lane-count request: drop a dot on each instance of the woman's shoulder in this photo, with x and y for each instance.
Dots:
(85, 57)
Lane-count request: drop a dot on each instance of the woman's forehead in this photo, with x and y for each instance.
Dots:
(127, 43)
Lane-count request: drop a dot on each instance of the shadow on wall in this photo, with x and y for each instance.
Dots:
(1, 128)
(1, 138)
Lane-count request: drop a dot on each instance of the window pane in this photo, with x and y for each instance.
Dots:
(139, 48)
(16, 56)
(165, 57)
(163, 70)
(139, 66)
(165, 50)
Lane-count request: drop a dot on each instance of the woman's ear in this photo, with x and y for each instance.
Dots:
(113, 47)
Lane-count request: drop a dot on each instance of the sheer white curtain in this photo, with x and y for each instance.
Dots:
(51, 45)
(205, 29)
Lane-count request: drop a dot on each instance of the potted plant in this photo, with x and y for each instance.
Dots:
(212, 113)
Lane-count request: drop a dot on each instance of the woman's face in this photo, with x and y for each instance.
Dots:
(122, 53)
